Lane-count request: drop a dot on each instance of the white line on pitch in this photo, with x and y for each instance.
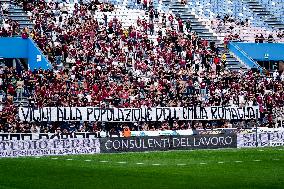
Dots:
(256, 160)
(103, 161)
(238, 161)
(276, 159)
(87, 160)
(69, 159)
(54, 158)
(260, 150)
(156, 164)
(220, 162)
(139, 163)
(122, 162)
(37, 157)
(203, 163)
(181, 164)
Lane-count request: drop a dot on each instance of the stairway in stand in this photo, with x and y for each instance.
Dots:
(18, 14)
(203, 32)
(267, 17)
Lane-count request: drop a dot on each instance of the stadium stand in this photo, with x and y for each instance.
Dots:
(138, 54)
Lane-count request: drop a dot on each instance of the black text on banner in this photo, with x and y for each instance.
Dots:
(261, 139)
(137, 114)
(18, 148)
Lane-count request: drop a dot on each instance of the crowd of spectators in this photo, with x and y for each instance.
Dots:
(235, 29)
(8, 27)
(230, 27)
(280, 34)
(260, 38)
(112, 66)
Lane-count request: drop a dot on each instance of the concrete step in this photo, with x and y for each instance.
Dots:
(174, 5)
(251, 5)
(5, 1)
(264, 14)
(270, 19)
(11, 11)
(211, 39)
(195, 24)
(208, 35)
(16, 8)
(233, 63)
(24, 22)
(200, 30)
(275, 24)
(20, 18)
(236, 68)
(199, 27)
(30, 26)
(252, 2)
(256, 6)
(17, 13)
(230, 58)
(192, 20)
(188, 15)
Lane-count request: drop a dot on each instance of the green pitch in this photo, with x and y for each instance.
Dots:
(231, 168)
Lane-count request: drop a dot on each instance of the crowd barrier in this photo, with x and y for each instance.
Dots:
(37, 136)
(88, 143)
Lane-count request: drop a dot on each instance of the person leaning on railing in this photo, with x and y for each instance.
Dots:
(126, 132)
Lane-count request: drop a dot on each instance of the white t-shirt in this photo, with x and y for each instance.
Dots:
(89, 97)
(241, 99)
(282, 77)
(5, 6)
(72, 76)
(80, 95)
(275, 75)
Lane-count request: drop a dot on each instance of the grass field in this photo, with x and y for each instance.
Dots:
(231, 168)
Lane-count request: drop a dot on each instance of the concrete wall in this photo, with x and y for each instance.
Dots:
(16, 47)
(259, 51)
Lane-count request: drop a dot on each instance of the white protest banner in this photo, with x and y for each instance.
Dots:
(137, 114)
(278, 115)
(261, 139)
(18, 148)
